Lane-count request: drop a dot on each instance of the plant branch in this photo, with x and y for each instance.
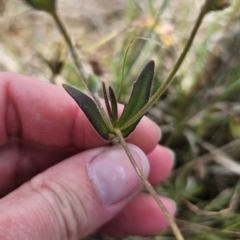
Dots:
(149, 187)
(79, 67)
(72, 50)
(169, 79)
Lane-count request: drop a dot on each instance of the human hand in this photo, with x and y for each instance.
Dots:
(60, 180)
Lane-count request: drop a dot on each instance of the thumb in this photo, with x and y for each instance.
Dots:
(73, 198)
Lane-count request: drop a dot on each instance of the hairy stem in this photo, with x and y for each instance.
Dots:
(169, 79)
(79, 67)
(72, 50)
(149, 187)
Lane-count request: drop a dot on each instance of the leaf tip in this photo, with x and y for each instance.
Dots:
(65, 86)
(151, 65)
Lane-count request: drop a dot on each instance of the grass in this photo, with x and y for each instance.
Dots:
(199, 113)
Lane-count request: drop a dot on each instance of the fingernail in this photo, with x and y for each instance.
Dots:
(113, 175)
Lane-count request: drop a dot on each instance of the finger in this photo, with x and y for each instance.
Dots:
(20, 161)
(44, 113)
(161, 161)
(73, 198)
(146, 135)
(14, 171)
(141, 217)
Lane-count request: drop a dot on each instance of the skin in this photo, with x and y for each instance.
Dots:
(45, 142)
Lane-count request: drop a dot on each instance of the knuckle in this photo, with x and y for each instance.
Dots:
(65, 205)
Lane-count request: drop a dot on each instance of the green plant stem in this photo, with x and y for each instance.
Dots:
(124, 63)
(79, 67)
(149, 187)
(169, 79)
(72, 50)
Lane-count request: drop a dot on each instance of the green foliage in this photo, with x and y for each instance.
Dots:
(139, 97)
(93, 84)
(201, 105)
(107, 104)
(114, 107)
(90, 109)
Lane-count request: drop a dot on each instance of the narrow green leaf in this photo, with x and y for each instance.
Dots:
(90, 109)
(139, 97)
(113, 100)
(129, 130)
(106, 100)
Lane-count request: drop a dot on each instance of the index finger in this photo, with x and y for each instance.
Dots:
(43, 113)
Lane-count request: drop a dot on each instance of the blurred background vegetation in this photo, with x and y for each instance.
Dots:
(199, 114)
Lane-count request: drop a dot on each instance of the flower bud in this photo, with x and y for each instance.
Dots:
(216, 5)
(93, 84)
(42, 5)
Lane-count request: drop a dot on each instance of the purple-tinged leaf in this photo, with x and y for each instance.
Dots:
(90, 109)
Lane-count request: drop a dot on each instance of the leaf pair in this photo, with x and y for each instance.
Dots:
(139, 97)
